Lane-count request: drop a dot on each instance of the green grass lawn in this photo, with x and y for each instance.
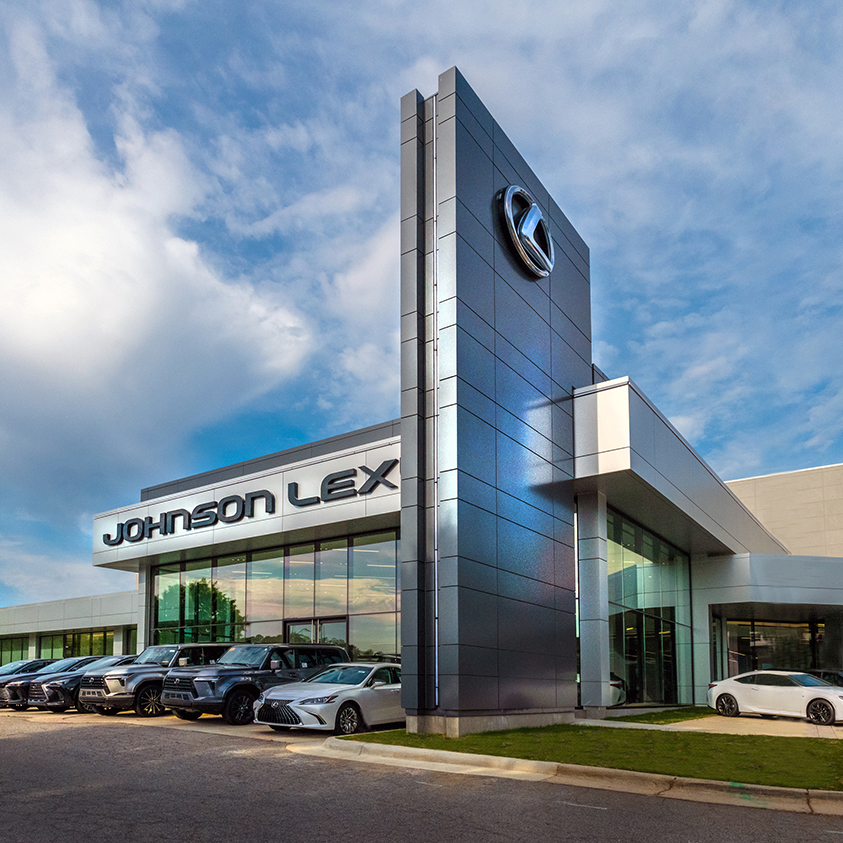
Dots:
(815, 763)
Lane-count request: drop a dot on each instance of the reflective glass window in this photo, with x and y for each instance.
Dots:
(332, 578)
(373, 636)
(300, 633)
(230, 590)
(333, 632)
(265, 595)
(649, 607)
(270, 632)
(372, 574)
(298, 582)
(167, 591)
(198, 593)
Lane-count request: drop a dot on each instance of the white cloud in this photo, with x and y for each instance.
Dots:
(117, 336)
(56, 576)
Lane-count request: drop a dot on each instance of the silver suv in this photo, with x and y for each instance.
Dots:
(138, 685)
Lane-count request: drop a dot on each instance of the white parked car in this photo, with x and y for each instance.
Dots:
(345, 697)
(782, 692)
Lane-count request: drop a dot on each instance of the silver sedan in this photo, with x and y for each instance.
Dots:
(345, 697)
(777, 692)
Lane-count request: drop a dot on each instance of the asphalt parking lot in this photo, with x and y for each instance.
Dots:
(73, 776)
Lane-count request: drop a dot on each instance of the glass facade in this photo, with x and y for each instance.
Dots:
(339, 591)
(14, 649)
(82, 642)
(649, 615)
(770, 645)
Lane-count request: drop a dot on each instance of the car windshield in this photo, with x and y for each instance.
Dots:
(11, 667)
(248, 656)
(106, 661)
(342, 675)
(156, 655)
(61, 664)
(807, 679)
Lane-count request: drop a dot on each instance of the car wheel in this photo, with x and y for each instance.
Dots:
(349, 719)
(820, 712)
(187, 713)
(727, 706)
(148, 701)
(279, 728)
(238, 708)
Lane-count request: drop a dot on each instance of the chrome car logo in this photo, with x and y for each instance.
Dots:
(528, 229)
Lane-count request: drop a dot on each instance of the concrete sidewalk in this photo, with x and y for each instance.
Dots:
(747, 724)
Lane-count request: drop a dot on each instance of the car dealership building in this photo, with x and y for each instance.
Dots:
(529, 536)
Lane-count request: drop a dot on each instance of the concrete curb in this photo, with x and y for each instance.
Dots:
(796, 800)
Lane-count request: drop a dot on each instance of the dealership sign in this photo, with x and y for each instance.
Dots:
(337, 485)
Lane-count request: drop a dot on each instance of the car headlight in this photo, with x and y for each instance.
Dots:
(54, 686)
(319, 700)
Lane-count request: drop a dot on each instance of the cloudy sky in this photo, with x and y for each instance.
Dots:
(198, 228)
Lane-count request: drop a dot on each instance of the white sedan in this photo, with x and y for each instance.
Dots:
(782, 692)
(345, 697)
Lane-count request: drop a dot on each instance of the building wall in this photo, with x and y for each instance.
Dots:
(490, 358)
(116, 611)
(803, 509)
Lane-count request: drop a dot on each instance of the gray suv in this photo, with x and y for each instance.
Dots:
(231, 686)
(138, 685)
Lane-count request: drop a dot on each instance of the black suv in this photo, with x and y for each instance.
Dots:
(10, 670)
(60, 691)
(15, 691)
(138, 685)
(231, 686)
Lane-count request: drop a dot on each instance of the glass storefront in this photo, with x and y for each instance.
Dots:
(342, 591)
(14, 649)
(83, 642)
(752, 644)
(649, 615)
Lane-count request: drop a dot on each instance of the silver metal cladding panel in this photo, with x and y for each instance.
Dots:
(309, 478)
(626, 449)
(495, 524)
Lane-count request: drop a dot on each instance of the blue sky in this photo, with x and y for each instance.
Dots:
(199, 228)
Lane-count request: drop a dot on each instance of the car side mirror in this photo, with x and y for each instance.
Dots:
(275, 664)
(377, 683)
(182, 662)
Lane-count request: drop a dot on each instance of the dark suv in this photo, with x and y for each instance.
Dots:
(231, 686)
(10, 671)
(60, 691)
(138, 685)
(15, 692)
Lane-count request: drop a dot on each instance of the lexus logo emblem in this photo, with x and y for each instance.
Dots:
(528, 229)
